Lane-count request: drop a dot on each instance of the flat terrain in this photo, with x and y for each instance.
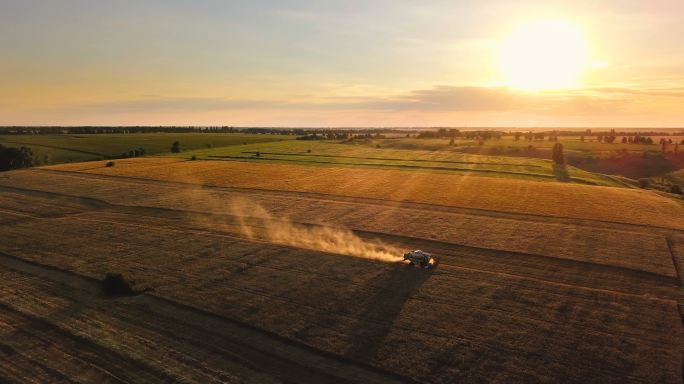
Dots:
(539, 281)
(56, 149)
(423, 158)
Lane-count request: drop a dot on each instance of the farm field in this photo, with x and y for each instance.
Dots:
(75, 148)
(589, 161)
(255, 262)
(508, 195)
(445, 159)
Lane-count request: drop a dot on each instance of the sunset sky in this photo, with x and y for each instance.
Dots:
(342, 63)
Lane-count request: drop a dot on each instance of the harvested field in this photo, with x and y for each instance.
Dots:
(536, 235)
(528, 289)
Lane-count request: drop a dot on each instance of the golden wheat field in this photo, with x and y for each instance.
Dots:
(281, 273)
(497, 194)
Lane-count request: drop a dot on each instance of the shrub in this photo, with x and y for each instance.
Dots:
(644, 183)
(193, 157)
(114, 284)
(258, 154)
(14, 158)
(175, 147)
(109, 164)
(674, 188)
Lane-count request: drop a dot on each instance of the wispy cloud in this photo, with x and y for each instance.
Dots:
(437, 99)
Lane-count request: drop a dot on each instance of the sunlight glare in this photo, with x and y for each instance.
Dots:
(544, 55)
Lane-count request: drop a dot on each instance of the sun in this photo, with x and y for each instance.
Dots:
(544, 55)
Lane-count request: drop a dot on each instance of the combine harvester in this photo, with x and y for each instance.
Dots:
(422, 259)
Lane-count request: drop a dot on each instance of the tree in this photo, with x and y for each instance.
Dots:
(557, 154)
(14, 158)
(175, 147)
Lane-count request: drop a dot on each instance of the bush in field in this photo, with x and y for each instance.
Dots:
(109, 164)
(14, 158)
(114, 284)
(644, 183)
(175, 147)
(674, 188)
(193, 157)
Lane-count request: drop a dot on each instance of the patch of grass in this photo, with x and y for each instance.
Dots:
(448, 160)
(57, 149)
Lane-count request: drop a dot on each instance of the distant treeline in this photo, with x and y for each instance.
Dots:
(341, 133)
(85, 130)
(81, 130)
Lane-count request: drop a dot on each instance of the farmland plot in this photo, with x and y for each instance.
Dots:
(518, 297)
(497, 194)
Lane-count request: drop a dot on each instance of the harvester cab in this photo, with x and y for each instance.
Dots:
(421, 259)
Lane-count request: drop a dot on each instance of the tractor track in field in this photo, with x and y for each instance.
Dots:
(393, 159)
(322, 197)
(282, 358)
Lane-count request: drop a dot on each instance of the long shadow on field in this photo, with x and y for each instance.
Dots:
(382, 309)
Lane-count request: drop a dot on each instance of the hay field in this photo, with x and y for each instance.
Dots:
(529, 288)
(496, 194)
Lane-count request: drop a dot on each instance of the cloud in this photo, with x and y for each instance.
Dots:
(437, 99)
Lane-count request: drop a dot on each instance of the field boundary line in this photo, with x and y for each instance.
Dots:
(391, 159)
(675, 260)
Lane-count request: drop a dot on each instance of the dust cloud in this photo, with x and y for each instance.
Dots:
(255, 222)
